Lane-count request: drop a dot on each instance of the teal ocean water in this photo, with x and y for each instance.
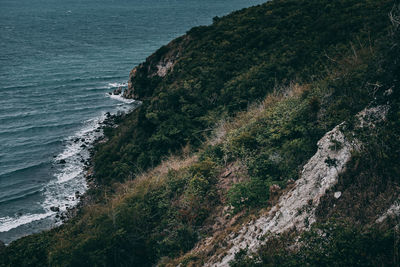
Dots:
(58, 60)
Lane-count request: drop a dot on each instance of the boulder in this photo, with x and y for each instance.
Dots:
(117, 91)
(337, 194)
(55, 209)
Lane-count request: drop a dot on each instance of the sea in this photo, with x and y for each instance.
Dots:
(58, 61)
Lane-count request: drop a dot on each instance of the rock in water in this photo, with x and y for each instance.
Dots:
(55, 209)
(117, 91)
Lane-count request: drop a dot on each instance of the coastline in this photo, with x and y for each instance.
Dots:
(86, 198)
(16, 226)
(228, 162)
(73, 178)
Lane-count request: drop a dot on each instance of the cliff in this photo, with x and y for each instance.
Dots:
(269, 138)
(156, 65)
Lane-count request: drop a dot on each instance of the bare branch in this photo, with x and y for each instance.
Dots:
(394, 16)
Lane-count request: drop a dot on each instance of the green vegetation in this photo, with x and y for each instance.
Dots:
(330, 244)
(279, 75)
(350, 240)
(224, 67)
(159, 217)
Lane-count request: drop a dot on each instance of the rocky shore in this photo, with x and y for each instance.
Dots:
(87, 198)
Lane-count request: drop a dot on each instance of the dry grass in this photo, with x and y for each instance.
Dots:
(218, 227)
(155, 177)
(152, 178)
(255, 111)
(171, 163)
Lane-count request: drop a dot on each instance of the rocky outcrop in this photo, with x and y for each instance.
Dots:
(164, 66)
(392, 212)
(159, 68)
(296, 209)
(129, 92)
(55, 209)
(117, 91)
(158, 64)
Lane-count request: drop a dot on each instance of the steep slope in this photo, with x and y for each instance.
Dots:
(228, 166)
(221, 69)
(295, 210)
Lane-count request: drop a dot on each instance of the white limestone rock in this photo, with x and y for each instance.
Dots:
(296, 209)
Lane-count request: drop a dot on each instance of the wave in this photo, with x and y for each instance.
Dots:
(119, 97)
(81, 82)
(8, 223)
(94, 78)
(28, 146)
(78, 108)
(69, 177)
(61, 192)
(19, 115)
(58, 91)
(29, 129)
(116, 85)
(19, 170)
(122, 99)
(21, 195)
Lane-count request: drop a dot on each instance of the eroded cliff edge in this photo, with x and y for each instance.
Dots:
(154, 68)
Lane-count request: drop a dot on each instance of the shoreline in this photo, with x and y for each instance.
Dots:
(76, 156)
(86, 198)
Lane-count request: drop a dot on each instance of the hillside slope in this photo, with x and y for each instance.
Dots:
(269, 138)
(218, 70)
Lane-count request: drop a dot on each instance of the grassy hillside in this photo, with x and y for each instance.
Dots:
(242, 110)
(224, 67)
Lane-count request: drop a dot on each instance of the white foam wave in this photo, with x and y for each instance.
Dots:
(70, 178)
(61, 192)
(122, 99)
(8, 223)
(116, 85)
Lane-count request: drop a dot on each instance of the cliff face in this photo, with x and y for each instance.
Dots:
(156, 66)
